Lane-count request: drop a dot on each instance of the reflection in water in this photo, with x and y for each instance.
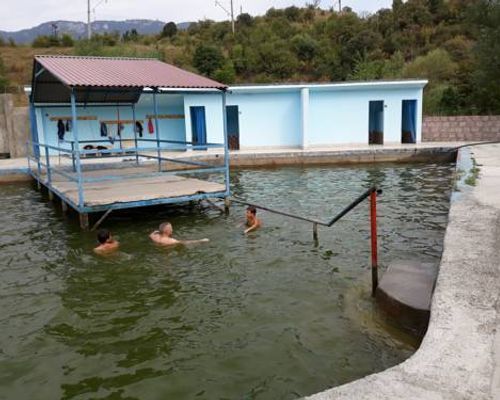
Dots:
(263, 316)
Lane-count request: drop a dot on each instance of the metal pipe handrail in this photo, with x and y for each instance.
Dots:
(152, 174)
(328, 223)
(48, 146)
(372, 194)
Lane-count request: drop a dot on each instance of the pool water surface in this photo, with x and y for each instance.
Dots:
(269, 315)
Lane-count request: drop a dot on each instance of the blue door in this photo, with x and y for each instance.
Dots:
(409, 122)
(233, 127)
(198, 126)
(376, 124)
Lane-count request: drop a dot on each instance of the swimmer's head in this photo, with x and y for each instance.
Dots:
(251, 211)
(166, 229)
(103, 236)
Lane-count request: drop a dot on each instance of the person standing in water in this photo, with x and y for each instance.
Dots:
(106, 242)
(163, 236)
(253, 223)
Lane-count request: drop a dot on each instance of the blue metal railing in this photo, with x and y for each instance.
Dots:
(41, 157)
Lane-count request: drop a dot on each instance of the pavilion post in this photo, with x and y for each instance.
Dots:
(76, 150)
(226, 147)
(135, 135)
(157, 128)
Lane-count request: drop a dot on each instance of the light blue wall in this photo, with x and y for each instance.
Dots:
(274, 117)
(170, 129)
(269, 119)
(342, 116)
(213, 114)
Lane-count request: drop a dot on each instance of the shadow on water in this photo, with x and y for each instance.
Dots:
(263, 316)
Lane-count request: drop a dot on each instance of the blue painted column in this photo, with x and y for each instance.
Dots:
(157, 128)
(34, 131)
(304, 109)
(77, 151)
(135, 134)
(226, 146)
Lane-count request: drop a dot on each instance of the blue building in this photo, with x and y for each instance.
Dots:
(267, 116)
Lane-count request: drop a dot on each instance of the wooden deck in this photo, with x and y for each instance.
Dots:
(131, 185)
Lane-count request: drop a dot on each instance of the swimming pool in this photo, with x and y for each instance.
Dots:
(264, 316)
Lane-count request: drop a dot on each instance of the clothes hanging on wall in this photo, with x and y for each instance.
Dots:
(139, 128)
(104, 129)
(120, 128)
(61, 129)
(151, 128)
(68, 126)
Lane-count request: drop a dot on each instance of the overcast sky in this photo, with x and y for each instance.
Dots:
(20, 14)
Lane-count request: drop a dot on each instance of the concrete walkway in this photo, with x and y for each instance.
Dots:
(460, 355)
(346, 153)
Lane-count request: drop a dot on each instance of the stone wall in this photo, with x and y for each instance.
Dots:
(461, 128)
(14, 128)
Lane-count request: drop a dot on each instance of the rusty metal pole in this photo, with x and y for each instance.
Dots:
(373, 234)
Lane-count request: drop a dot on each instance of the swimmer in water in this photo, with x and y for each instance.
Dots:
(253, 223)
(163, 236)
(106, 242)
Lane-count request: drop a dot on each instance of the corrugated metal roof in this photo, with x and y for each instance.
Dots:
(122, 72)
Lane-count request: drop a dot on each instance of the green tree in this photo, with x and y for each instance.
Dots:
(67, 40)
(226, 74)
(305, 47)
(486, 74)
(169, 30)
(437, 66)
(207, 59)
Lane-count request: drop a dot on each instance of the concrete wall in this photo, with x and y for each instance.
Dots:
(14, 127)
(461, 128)
(459, 357)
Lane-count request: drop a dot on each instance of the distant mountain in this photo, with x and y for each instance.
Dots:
(78, 29)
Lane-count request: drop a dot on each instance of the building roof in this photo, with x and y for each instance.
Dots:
(106, 79)
(351, 85)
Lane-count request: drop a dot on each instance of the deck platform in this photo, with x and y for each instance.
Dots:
(132, 189)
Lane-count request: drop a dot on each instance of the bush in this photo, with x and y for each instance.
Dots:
(225, 74)
(437, 66)
(67, 41)
(305, 47)
(45, 41)
(4, 82)
(207, 59)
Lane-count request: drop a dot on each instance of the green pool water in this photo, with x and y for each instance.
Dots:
(265, 316)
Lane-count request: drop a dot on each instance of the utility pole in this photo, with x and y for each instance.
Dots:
(232, 16)
(228, 13)
(89, 28)
(340, 6)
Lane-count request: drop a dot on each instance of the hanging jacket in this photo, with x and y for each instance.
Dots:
(61, 130)
(151, 127)
(139, 128)
(104, 129)
(68, 125)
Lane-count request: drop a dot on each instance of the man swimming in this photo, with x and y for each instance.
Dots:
(106, 242)
(253, 223)
(163, 236)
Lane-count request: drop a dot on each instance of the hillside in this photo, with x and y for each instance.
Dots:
(453, 43)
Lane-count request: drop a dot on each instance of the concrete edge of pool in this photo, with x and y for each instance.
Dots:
(459, 357)
(15, 170)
